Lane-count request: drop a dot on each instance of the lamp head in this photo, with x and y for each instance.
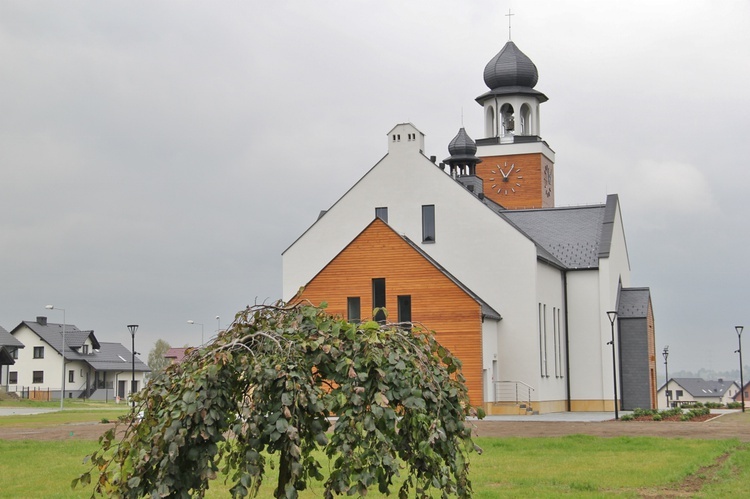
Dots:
(191, 322)
(133, 328)
(665, 353)
(739, 330)
(49, 307)
(612, 315)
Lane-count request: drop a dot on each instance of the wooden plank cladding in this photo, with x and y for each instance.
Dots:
(436, 301)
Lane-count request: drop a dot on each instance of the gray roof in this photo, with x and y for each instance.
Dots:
(103, 356)
(8, 340)
(572, 238)
(699, 387)
(633, 303)
(571, 235)
(51, 334)
(114, 357)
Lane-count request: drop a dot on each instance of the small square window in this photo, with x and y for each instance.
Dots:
(38, 352)
(37, 377)
(13, 377)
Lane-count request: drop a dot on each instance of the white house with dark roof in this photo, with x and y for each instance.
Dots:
(684, 392)
(94, 370)
(486, 218)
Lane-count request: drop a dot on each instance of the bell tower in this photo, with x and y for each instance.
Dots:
(517, 166)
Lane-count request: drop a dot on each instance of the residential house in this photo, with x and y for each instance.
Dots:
(684, 392)
(100, 371)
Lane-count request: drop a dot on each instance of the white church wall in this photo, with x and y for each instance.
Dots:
(550, 334)
(584, 336)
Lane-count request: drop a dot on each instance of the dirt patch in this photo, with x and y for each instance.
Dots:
(728, 426)
(692, 484)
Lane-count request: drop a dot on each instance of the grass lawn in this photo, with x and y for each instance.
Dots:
(575, 466)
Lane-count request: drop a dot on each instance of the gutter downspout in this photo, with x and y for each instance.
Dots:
(567, 340)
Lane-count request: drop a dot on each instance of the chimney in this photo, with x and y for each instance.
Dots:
(42, 321)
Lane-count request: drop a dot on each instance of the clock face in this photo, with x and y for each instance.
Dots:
(507, 180)
(547, 179)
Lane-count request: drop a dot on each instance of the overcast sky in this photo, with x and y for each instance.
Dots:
(156, 158)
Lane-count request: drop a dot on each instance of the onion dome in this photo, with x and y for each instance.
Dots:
(510, 68)
(462, 145)
(463, 159)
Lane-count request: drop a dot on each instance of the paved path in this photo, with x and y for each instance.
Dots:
(23, 411)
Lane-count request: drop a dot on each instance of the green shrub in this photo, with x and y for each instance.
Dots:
(734, 405)
(657, 417)
(627, 417)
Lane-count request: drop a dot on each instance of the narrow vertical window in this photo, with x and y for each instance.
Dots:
(560, 343)
(554, 340)
(546, 367)
(428, 223)
(382, 213)
(71, 375)
(404, 308)
(378, 298)
(541, 348)
(353, 310)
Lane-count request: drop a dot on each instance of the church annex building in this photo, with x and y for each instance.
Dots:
(475, 249)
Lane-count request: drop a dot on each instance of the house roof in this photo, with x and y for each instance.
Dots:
(633, 303)
(175, 353)
(699, 387)
(8, 340)
(114, 357)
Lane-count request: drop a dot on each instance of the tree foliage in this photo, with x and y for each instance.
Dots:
(156, 360)
(269, 384)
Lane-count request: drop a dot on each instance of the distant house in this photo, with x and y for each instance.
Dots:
(688, 391)
(8, 354)
(738, 396)
(175, 355)
(100, 371)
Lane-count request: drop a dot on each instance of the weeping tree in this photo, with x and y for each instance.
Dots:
(268, 385)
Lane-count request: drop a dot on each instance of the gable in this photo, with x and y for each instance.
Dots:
(437, 301)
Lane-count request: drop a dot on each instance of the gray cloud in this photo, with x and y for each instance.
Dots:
(157, 157)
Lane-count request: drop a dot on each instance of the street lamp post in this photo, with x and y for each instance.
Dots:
(132, 328)
(742, 379)
(665, 353)
(198, 324)
(612, 315)
(62, 351)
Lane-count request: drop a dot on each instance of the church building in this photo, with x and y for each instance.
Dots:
(475, 249)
